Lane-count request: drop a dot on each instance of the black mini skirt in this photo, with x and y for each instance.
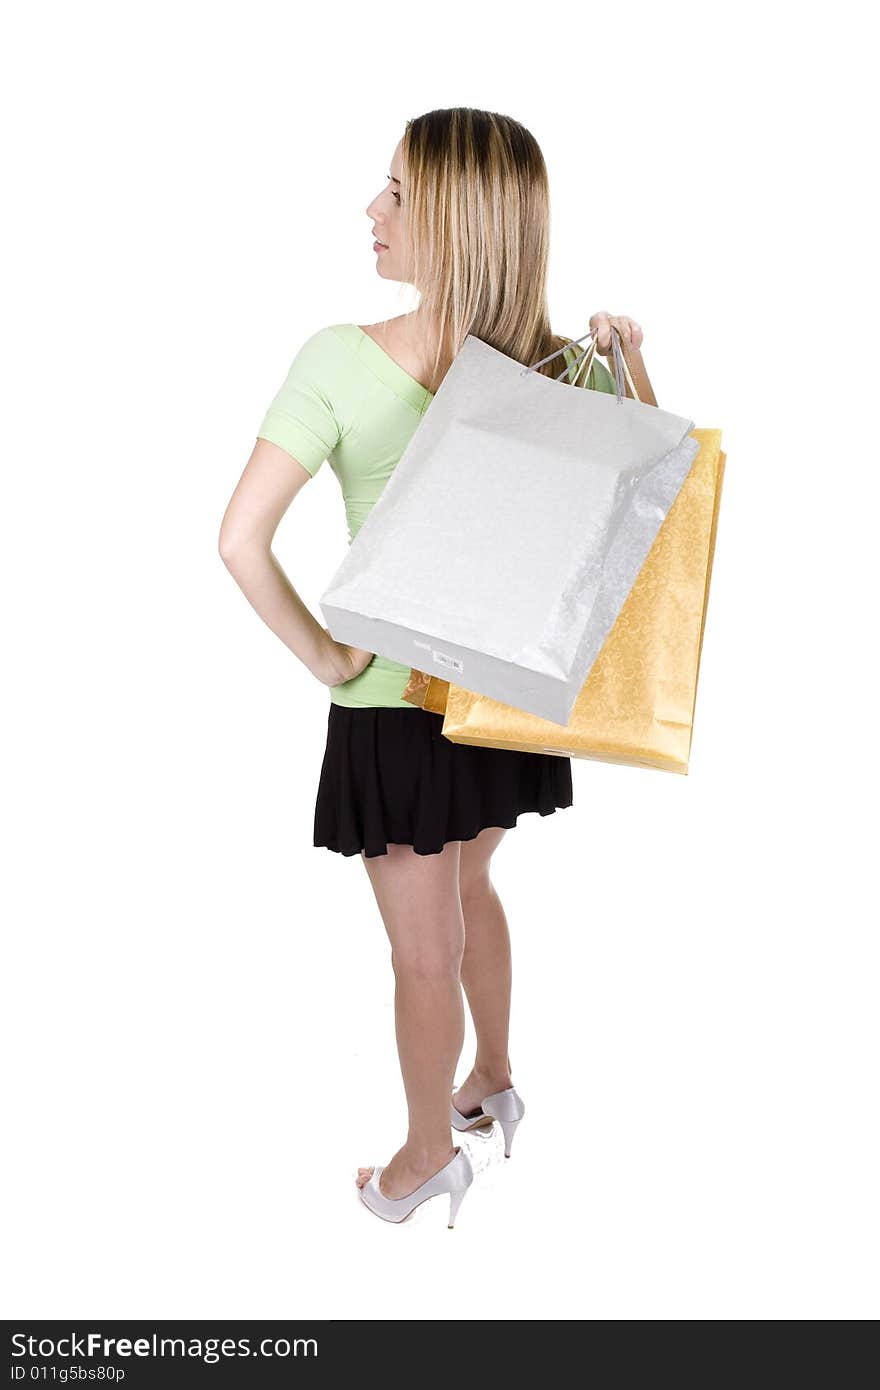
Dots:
(389, 776)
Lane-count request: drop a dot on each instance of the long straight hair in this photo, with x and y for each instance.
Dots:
(477, 213)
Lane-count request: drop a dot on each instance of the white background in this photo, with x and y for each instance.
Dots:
(198, 1020)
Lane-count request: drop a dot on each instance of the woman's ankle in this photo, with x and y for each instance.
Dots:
(432, 1154)
(492, 1076)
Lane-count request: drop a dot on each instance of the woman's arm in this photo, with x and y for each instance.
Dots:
(631, 338)
(269, 483)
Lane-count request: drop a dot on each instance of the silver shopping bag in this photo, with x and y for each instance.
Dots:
(506, 541)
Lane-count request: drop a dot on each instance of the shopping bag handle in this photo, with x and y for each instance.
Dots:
(621, 367)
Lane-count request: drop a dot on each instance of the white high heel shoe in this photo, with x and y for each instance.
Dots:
(455, 1178)
(505, 1106)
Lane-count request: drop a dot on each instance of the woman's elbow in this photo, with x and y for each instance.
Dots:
(233, 545)
(226, 544)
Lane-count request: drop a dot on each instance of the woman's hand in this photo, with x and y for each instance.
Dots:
(342, 662)
(630, 332)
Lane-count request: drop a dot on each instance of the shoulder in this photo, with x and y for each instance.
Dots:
(393, 323)
(313, 407)
(327, 346)
(326, 363)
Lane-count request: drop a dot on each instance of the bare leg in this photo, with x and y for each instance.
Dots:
(486, 971)
(418, 897)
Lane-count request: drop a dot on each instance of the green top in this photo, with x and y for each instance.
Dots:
(345, 399)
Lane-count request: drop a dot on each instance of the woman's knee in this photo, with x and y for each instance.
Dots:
(428, 959)
(418, 896)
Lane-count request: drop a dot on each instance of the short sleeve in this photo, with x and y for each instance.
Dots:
(301, 417)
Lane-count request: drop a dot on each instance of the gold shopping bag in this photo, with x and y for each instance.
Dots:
(637, 704)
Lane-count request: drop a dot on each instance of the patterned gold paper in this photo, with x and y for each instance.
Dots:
(416, 687)
(637, 705)
(428, 692)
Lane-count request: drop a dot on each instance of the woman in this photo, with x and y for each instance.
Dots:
(464, 217)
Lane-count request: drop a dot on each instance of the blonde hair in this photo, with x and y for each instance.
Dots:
(477, 214)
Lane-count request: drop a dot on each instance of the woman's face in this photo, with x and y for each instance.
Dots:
(386, 221)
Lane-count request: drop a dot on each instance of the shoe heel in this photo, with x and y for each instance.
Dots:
(509, 1128)
(456, 1197)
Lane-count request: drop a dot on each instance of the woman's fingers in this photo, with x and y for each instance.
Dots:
(630, 332)
(360, 658)
(600, 324)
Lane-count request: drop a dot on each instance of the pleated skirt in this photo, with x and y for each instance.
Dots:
(390, 777)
